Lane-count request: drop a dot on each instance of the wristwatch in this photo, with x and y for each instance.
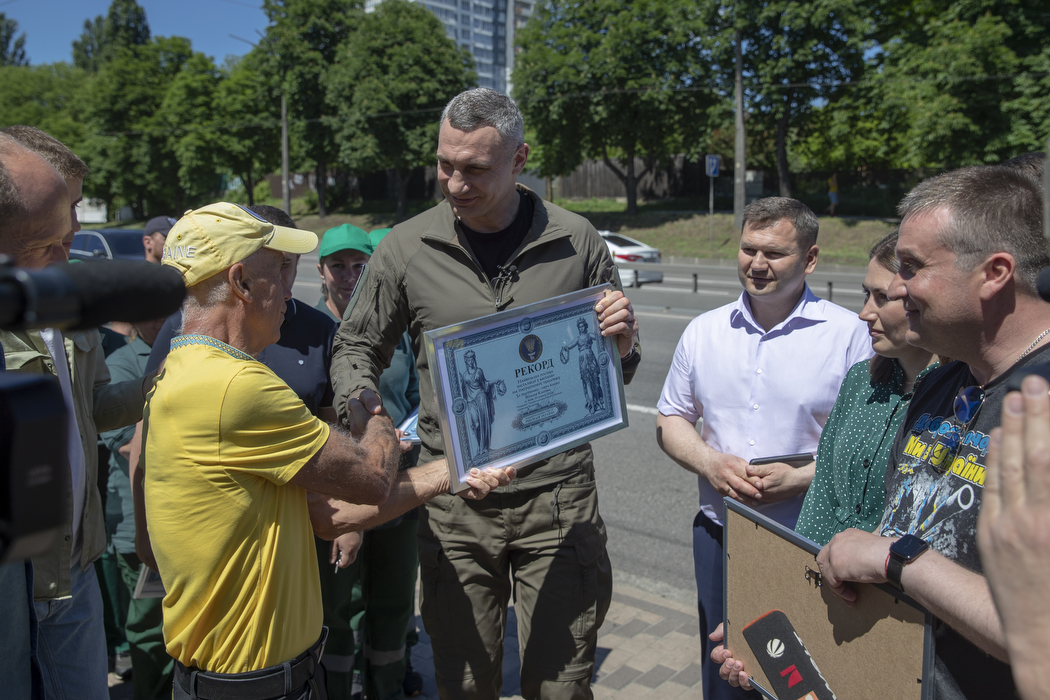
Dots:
(904, 551)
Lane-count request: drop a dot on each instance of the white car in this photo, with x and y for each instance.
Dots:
(628, 250)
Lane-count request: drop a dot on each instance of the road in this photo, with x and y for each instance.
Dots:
(648, 502)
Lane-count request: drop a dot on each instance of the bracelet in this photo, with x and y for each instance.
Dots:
(886, 568)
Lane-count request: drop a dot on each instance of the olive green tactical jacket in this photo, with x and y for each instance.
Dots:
(99, 406)
(423, 276)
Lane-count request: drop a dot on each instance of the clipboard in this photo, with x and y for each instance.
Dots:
(881, 648)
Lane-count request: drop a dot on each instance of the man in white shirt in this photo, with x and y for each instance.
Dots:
(763, 373)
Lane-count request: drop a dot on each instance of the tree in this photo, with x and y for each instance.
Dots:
(247, 142)
(796, 55)
(49, 97)
(301, 43)
(12, 49)
(130, 149)
(391, 78)
(614, 80)
(950, 84)
(124, 25)
(188, 116)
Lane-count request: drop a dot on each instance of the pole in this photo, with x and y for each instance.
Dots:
(286, 195)
(739, 199)
(711, 207)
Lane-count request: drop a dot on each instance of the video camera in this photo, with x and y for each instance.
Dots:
(34, 473)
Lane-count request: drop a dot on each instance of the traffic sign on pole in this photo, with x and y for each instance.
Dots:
(712, 166)
(712, 163)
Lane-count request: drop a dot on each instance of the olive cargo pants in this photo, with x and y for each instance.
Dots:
(551, 541)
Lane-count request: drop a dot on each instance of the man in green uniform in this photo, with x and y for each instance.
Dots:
(491, 246)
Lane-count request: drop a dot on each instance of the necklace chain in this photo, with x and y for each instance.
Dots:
(1032, 346)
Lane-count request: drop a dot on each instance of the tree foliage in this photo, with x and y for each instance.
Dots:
(124, 25)
(952, 84)
(795, 55)
(12, 48)
(130, 149)
(301, 43)
(390, 80)
(247, 141)
(50, 97)
(613, 81)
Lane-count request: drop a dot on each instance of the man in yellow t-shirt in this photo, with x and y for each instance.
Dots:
(241, 474)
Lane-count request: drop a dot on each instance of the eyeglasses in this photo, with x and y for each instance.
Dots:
(967, 405)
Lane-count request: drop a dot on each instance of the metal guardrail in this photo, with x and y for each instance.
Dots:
(675, 269)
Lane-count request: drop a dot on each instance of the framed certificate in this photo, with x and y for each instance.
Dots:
(522, 385)
(796, 637)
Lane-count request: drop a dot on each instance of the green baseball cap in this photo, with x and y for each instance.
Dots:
(377, 235)
(345, 237)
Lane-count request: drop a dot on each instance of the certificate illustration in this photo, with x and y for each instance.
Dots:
(519, 386)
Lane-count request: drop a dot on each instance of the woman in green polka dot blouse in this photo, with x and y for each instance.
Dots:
(847, 490)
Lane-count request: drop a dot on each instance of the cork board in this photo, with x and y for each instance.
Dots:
(877, 649)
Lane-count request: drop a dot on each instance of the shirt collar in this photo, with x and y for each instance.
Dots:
(808, 308)
(182, 341)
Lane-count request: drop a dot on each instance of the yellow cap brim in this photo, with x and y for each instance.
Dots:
(291, 240)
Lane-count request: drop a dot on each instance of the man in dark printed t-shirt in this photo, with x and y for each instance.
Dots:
(970, 248)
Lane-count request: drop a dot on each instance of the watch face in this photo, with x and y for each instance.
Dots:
(908, 547)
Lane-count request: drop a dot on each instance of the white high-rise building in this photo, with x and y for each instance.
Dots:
(486, 28)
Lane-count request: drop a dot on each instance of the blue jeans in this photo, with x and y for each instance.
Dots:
(72, 641)
(710, 567)
(16, 595)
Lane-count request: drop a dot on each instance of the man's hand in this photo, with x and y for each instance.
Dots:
(1013, 530)
(853, 556)
(360, 407)
(345, 549)
(779, 481)
(728, 475)
(731, 669)
(616, 317)
(482, 483)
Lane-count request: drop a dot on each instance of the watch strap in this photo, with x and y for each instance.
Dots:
(894, 569)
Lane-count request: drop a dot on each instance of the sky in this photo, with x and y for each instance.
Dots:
(51, 26)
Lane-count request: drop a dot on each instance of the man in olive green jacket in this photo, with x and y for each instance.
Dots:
(68, 603)
(492, 246)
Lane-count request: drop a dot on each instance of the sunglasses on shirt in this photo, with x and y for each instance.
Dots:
(966, 406)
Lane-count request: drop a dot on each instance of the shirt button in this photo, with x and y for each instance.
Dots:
(756, 406)
(867, 463)
(760, 371)
(858, 509)
(752, 442)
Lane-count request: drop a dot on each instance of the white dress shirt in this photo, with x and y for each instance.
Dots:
(74, 445)
(762, 393)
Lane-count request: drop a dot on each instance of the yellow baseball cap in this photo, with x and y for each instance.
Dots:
(208, 240)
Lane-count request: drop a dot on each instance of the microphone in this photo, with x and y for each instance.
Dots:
(85, 295)
(1042, 284)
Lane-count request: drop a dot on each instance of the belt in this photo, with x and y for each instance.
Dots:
(271, 682)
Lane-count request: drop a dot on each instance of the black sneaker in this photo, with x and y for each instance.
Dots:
(413, 683)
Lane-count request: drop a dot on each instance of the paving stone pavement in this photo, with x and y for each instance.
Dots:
(648, 649)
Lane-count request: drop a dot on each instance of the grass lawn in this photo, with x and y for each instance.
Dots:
(677, 233)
